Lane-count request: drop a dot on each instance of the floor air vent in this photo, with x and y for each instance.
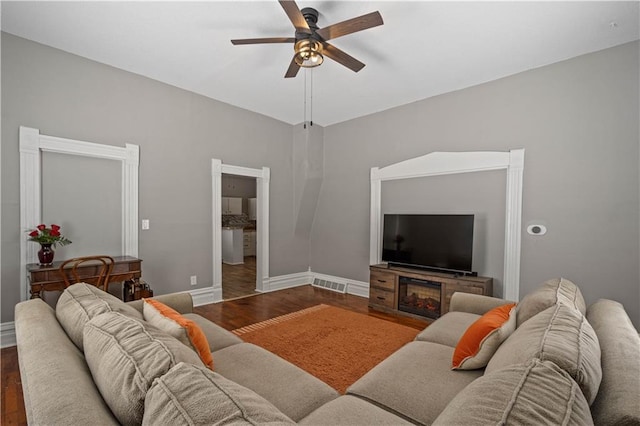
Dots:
(330, 285)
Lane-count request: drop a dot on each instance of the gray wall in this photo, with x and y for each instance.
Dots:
(84, 196)
(178, 133)
(577, 120)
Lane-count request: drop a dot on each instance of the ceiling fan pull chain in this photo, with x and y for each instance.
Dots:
(311, 100)
(305, 99)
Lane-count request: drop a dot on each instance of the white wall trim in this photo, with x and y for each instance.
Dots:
(32, 145)
(282, 282)
(263, 177)
(7, 334)
(443, 163)
(205, 296)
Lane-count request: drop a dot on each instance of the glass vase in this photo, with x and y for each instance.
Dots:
(45, 255)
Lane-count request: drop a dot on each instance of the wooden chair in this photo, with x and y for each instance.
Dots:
(95, 270)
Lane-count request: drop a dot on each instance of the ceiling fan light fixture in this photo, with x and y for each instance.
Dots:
(308, 53)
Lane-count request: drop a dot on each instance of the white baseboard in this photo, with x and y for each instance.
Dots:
(354, 287)
(205, 296)
(7, 334)
(287, 281)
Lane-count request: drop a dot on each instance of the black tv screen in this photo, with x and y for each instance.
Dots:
(431, 241)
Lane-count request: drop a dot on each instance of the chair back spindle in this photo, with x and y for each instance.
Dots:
(98, 277)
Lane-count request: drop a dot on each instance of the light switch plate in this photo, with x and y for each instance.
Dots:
(145, 224)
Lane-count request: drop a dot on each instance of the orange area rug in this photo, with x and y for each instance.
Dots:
(333, 344)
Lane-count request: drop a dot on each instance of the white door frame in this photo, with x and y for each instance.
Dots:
(446, 163)
(32, 145)
(262, 233)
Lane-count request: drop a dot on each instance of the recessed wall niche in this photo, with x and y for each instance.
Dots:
(84, 196)
(482, 194)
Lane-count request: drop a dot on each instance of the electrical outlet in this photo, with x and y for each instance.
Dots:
(145, 224)
(194, 280)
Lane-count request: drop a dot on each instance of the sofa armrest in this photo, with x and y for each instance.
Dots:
(474, 303)
(181, 302)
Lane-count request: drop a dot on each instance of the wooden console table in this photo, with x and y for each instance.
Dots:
(385, 289)
(47, 278)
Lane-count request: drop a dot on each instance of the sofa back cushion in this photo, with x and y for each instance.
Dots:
(191, 395)
(559, 334)
(536, 393)
(548, 294)
(618, 400)
(79, 303)
(125, 356)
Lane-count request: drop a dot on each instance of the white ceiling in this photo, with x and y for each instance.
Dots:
(423, 49)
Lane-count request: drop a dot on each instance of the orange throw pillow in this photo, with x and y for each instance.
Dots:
(483, 337)
(170, 321)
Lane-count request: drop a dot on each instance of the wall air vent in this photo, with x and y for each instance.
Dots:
(330, 285)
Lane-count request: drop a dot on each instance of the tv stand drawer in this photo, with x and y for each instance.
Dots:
(381, 298)
(382, 279)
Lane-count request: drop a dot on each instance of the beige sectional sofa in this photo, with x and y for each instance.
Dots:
(96, 361)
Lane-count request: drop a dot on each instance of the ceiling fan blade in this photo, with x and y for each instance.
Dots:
(264, 40)
(342, 58)
(349, 26)
(295, 16)
(293, 69)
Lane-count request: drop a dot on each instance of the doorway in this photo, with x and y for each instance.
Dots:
(261, 178)
(239, 228)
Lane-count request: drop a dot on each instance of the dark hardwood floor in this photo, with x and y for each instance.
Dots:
(229, 314)
(239, 280)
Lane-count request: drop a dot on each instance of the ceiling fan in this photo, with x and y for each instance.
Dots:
(311, 43)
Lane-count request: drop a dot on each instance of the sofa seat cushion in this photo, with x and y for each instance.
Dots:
(536, 393)
(218, 337)
(618, 400)
(350, 410)
(81, 302)
(557, 290)
(191, 395)
(125, 355)
(292, 390)
(560, 334)
(416, 382)
(448, 329)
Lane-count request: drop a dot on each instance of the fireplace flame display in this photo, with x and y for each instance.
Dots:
(419, 297)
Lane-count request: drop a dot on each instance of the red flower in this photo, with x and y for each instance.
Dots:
(44, 235)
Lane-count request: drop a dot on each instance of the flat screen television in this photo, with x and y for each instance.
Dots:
(437, 242)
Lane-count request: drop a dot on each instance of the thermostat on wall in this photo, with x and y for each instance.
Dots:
(536, 229)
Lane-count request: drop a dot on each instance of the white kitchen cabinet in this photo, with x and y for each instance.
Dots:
(232, 246)
(253, 209)
(249, 243)
(231, 205)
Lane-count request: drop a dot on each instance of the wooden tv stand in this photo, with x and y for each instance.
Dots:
(417, 293)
